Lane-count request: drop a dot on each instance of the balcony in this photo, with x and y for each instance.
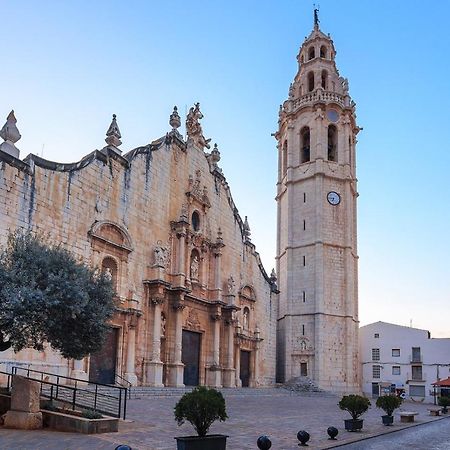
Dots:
(416, 358)
(321, 95)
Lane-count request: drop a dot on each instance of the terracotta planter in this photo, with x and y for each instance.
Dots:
(353, 425)
(210, 442)
(387, 420)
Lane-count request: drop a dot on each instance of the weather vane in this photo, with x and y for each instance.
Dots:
(316, 15)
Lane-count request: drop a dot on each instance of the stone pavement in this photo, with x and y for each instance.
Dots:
(276, 412)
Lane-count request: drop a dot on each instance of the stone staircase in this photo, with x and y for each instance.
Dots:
(288, 389)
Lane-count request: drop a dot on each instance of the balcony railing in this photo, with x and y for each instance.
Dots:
(320, 95)
(416, 358)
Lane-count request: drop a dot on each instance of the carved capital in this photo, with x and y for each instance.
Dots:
(215, 317)
(157, 300)
(178, 306)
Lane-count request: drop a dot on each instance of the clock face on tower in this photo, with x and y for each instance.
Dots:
(333, 198)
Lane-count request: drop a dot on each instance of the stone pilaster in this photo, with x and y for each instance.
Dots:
(229, 379)
(176, 367)
(155, 366)
(130, 374)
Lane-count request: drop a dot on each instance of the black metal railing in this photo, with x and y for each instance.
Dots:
(121, 381)
(104, 398)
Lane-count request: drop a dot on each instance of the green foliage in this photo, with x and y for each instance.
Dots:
(90, 414)
(389, 403)
(201, 408)
(356, 405)
(49, 406)
(47, 296)
(444, 401)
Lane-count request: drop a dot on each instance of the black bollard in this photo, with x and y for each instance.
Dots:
(123, 447)
(303, 437)
(332, 432)
(264, 443)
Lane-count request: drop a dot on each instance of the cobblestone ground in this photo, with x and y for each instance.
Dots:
(277, 413)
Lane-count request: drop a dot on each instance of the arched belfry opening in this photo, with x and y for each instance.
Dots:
(324, 79)
(310, 81)
(323, 51)
(305, 145)
(332, 143)
(311, 53)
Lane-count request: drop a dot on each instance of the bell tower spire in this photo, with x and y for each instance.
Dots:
(316, 240)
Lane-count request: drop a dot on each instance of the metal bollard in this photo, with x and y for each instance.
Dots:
(303, 437)
(264, 443)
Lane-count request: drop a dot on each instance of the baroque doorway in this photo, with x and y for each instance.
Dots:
(245, 368)
(103, 363)
(190, 356)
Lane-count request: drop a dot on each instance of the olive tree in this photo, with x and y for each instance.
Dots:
(46, 295)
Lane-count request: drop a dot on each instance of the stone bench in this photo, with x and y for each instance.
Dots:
(407, 416)
(434, 411)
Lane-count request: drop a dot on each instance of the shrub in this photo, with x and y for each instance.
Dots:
(49, 406)
(201, 408)
(444, 401)
(389, 403)
(355, 405)
(90, 414)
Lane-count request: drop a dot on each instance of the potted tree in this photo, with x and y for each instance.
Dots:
(201, 408)
(444, 402)
(388, 403)
(356, 405)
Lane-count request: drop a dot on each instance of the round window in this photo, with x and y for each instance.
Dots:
(195, 221)
(333, 115)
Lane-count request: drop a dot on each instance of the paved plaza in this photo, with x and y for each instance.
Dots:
(276, 412)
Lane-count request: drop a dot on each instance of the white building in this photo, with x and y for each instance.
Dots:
(400, 359)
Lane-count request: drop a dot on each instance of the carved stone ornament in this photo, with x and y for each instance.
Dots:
(194, 267)
(195, 191)
(194, 129)
(161, 255)
(192, 320)
(113, 134)
(231, 286)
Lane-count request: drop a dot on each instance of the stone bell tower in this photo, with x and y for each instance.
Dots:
(316, 243)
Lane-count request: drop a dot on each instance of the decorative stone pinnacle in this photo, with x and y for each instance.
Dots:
(113, 134)
(247, 232)
(273, 275)
(174, 120)
(10, 132)
(316, 18)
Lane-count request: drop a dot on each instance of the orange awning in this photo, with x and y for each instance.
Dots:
(443, 383)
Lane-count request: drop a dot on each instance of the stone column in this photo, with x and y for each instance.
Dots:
(78, 370)
(229, 372)
(155, 366)
(176, 367)
(256, 353)
(130, 374)
(238, 367)
(215, 372)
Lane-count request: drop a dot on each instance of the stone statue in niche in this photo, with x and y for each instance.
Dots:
(245, 319)
(194, 267)
(161, 255)
(163, 325)
(108, 273)
(231, 286)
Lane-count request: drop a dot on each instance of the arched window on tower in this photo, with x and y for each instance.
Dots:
(305, 145)
(109, 268)
(324, 79)
(323, 51)
(311, 53)
(284, 159)
(332, 143)
(310, 81)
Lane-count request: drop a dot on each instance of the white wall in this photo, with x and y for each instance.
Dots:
(435, 358)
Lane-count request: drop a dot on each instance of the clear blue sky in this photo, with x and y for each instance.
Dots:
(68, 66)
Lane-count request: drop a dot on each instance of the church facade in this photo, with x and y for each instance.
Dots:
(194, 305)
(316, 240)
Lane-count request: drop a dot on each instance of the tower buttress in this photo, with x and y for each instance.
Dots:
(316, 239)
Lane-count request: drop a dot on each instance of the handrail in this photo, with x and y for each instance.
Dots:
(122, 391)
(129, 385)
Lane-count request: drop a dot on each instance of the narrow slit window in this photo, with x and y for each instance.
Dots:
(304, 260)
(304, 296)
